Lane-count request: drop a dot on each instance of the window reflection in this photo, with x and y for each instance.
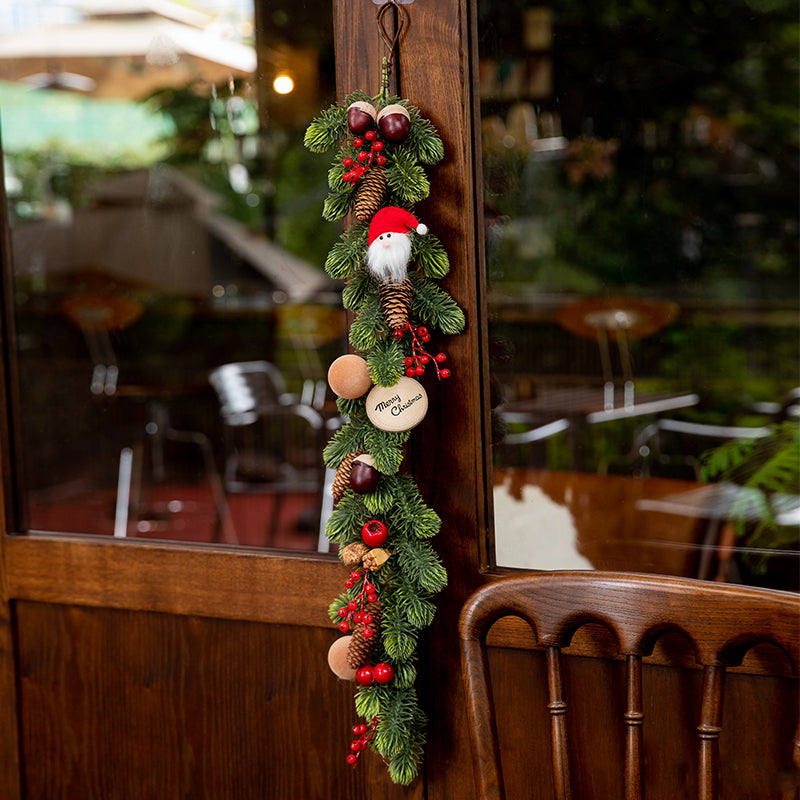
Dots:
(640, 179)
(165, 231)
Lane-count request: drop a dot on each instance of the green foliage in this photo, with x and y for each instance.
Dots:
(357, 288)
(369, 326)
(766, 471)
(430, 256)
(406, 178)
(385, 362)
(434, 306)
(347, 255)
(421, 564)
(325, 130)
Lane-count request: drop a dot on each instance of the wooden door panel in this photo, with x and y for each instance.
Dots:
(121, 704)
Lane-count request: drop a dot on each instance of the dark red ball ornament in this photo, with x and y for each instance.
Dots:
(361, 117)
(394, 122)
(364, 476)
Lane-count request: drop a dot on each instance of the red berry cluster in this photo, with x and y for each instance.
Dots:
(363, 734)
(354, 610)
(419, 359)
(372, 147)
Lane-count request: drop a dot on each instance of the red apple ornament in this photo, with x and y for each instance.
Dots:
(374, 533)
(364, 476)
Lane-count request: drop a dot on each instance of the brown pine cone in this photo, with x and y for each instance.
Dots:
(341, 481)
(360, 649)
(369, 194)
(396, 302)
(353, 553)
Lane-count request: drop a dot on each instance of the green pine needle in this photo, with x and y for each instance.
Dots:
(429, 256)
(386, 362)
(369, 325)
(326, 130)
(405, 674)
(379, 501)
(404, 767)
(337, 204)
(351, 409)
(346, 440)
(421, 565)
(406, 178)
(386, 447)
(358, 287)
(347, 256)
(370, 700)
(434, 306)
(396, 723)
(423, 140)
(345, 522)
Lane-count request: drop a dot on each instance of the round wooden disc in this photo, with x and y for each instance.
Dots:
(337, 659)
(399, 407)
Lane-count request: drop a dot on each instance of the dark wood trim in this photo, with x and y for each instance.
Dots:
(244, 584)
(447, 450)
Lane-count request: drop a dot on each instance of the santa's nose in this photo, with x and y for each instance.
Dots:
(386, 243)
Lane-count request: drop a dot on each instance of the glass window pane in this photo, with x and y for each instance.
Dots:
(640, 197)
(173, 318)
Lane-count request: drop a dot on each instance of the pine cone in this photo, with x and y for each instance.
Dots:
(341, 481)
(353, 553)
(396, 302)
(360, 649)
(369, 194)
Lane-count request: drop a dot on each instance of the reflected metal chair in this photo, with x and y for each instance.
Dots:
(273, 442)
(722, 623)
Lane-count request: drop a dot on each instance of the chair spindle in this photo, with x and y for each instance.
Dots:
(708, 732)
(634, 719)
(558, 709)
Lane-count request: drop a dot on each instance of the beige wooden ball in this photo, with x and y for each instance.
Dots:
(337, 659)
(349, 377)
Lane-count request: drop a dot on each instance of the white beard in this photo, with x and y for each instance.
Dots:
(390, 262)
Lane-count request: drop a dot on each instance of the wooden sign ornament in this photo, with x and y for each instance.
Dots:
(390, 265)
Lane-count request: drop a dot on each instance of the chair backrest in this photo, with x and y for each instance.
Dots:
(721, 621)
(246, 389)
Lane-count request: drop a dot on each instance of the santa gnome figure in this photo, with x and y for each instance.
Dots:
(389, 243)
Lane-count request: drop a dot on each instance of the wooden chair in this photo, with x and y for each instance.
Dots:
(721, 621)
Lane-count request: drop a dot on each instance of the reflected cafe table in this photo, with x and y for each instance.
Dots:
(554, 411)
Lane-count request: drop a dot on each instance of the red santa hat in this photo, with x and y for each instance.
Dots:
(393, 219)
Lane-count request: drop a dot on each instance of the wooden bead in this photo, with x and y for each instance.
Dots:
(337, 659)
(348, 376)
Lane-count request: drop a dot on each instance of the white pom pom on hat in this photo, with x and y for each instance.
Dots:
(393, 219)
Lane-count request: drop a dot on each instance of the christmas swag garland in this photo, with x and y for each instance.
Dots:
(380, 521)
